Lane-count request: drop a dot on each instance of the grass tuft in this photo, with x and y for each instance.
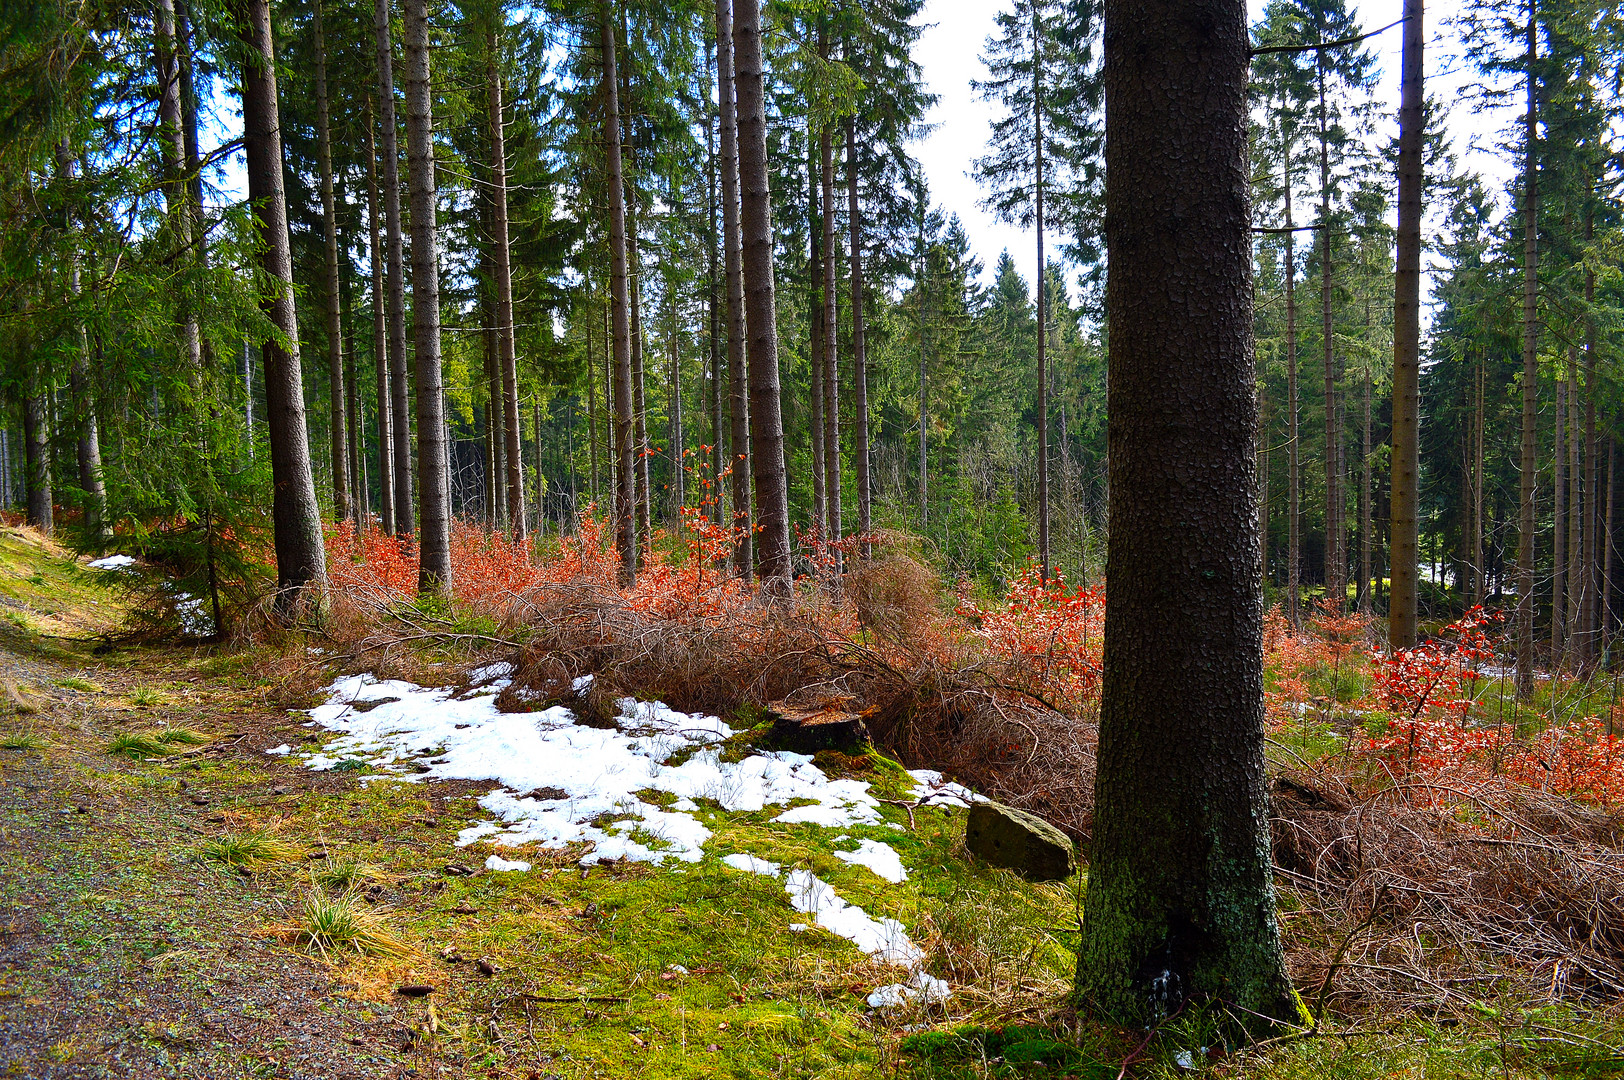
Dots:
(330, 925)
(73, 682)
(21, 740)
(342, 875)
(183, 735)
(246, 851)
(146, 697)
(137, 744)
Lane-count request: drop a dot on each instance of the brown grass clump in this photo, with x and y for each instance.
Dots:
(893, 594)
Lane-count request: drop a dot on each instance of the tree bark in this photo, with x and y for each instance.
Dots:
(1530, 382)
(756, 237)
(1573, 630)
(434, 482)
(816, 323)
(1039, 282)
(1335, 586)
(87, 441)
(506, 352)
(732, 267)
(1593, 562)
(1294, 541)
(1405, 466)
(831, 352)
(301, 561)
(380, 357)
(625, 459)
(859, 346)
(400, 410)
(37, 450)
(329, 224)
(1180, 904)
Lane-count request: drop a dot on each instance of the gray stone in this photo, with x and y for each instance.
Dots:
(1022, 842)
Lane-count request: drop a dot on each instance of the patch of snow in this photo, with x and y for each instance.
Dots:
(752, 865)
(922, 987)
(799, 927)
(879, 857)
(496, 862)
(502, 669)
(932, 789)
(598, 771)
(112, 562)
(1184, 1060)
(884, 939)
(279, 751)
(580, 683)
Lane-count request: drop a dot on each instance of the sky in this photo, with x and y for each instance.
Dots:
(949, 52)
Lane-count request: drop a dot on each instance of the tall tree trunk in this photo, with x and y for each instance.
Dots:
(329, 224)
(732, 266)
(1607, 548)
(921, 284)
(756, 237)
(87, 441)
(1180, 905)
(380, 352)
(1039, 284)
(1478, 580)
(434, 481)
(713, 303)
(172, 147)
(301, 560)
(1363, 592)
(859, 345)
(1593, 561)
(1294, 541)
(591, 400)
(679, 496)
(400, 409)
(1405, 466)
(1576, 554)
(360, 494)
(1335, 585)
(1559, 517)
(831, 352)
(817, 211)
(625, 459)
(1530, 381)
(641, 454)
(506, 352)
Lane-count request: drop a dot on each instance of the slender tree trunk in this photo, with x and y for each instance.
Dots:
(1574, 630)
(756, 242)
(831, 351)
(301, 561)
(506, 352)
(1478, 577)
(920, 287)
(1607, 548)
(329, 224)
(172, 147)
(1558, 531)
(1180, 905)
(859, 345)
(434, 481)
(1335, 585)
(1530, 383)
(679, 497)
(87, 441)
(1363, 593)
(1405, 464)
(37, 449)
(625, 461)
(732, 266)
(591, 401)
(1039, 284)
(640, 461)
(817, 322)
(380, 352)
(1294, 550)
(360, 493)
(1593, 561)
(713, 302)
(400, 409)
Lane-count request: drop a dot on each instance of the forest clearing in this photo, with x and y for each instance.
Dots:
(694, 618)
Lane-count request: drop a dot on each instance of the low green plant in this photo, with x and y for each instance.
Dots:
(330, 925)
(184, 735)
(147, 697)
(342, 875)
(73, 682)
(137, 744)
(246, 851)
(21, 740)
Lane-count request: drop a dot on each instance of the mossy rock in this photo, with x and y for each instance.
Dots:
(1019, 841)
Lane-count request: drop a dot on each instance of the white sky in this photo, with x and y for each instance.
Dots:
(950, 49)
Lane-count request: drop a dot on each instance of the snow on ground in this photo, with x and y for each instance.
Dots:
(111, 562)
(562, 782)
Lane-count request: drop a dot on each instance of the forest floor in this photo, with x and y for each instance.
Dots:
(156, 909)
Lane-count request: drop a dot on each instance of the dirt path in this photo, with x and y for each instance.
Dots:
(120, 956)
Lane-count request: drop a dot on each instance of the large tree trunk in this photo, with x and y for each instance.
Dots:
(1405, 464)
(1362, 594)
(1592, 516)
(1574, 631)
(1530, 382)
(732, 266)
(625, 456)
(301, 560)
(831, 352)
(172, 148)
(859, 346)
(37, 449)
(756, 235)
(434, 487)
(1559, 519)
(1040, 281)
(329, 224)
(360, 494)
(1180, 904)
(713, 304)
(506, 353)
(380, 352)
(400, 409)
